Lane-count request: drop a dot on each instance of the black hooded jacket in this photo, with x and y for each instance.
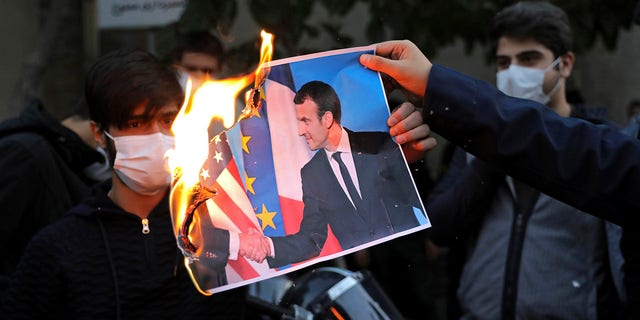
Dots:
(96, 263)
(41, 164)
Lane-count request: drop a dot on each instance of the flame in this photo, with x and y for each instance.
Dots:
(214, 99)
(266, 52)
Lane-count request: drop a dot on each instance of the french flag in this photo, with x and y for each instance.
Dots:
(273, 154)
(290, 151)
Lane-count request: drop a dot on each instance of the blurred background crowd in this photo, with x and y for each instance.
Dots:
(49, 45)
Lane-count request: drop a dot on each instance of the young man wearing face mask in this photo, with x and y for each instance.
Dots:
(526, 255)
(115, 255)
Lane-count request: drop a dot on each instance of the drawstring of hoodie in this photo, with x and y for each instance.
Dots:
(179, 258)
(112, 267)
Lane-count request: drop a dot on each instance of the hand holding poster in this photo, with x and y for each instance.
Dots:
(312, 175)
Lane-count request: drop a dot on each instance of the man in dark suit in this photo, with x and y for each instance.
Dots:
(356, 184)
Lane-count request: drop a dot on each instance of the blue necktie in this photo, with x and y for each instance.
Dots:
(353, 193)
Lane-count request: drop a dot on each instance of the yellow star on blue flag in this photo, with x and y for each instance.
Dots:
(266, 217)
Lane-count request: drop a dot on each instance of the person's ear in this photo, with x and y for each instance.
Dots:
(566, 64)
(327, 119)
(98, 134)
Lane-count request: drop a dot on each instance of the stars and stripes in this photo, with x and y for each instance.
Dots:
(230, 208)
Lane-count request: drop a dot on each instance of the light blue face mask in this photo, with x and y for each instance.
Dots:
(526, 83)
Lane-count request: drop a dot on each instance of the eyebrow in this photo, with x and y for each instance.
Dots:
(169, 113)
(145, 117)
(529, 53)
(137, 117)
(521, 54)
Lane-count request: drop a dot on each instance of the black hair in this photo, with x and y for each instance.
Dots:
(198, 42)
(538, 20)
(323, 95)
(125, 79)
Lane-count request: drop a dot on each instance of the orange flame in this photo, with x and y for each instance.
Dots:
(214, 99)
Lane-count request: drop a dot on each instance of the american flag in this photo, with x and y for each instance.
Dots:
(230, 208)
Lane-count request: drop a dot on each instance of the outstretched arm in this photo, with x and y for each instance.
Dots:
(594, 168)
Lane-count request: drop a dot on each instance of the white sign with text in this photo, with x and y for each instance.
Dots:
(138, 13)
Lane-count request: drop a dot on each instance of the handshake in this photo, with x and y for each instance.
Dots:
(254, 246)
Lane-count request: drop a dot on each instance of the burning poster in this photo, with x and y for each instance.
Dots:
(309, 173)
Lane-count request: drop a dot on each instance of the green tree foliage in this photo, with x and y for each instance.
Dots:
(431, 24)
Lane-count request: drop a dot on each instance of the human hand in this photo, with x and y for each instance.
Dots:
(404, 62)
(409, 130)
(254, 246)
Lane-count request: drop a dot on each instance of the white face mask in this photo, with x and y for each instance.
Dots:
(142, 161)
(526, 83)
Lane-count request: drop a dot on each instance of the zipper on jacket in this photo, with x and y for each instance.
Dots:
(523, 205)
(145, 226)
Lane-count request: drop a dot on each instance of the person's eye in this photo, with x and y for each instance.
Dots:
(133, 124)
(191, 68)
(529, 60)
(503, 63)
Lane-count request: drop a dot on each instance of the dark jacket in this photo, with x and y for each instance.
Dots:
(594, 168)
(96, 263)
(41, 177)
(508, 252)
(388, 198)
